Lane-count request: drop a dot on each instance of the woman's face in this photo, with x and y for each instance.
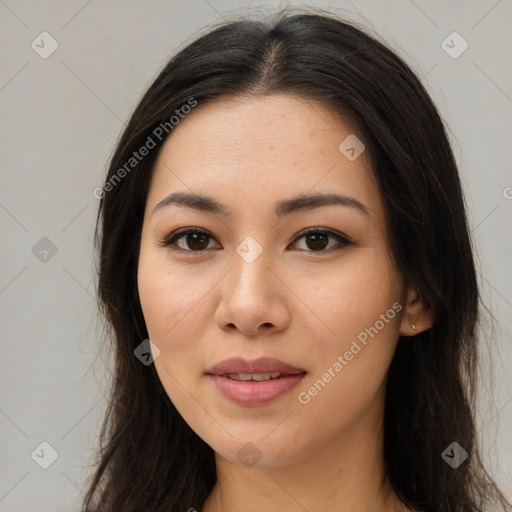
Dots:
(251, 284)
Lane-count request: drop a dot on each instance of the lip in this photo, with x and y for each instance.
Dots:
(253, 393)
(260, 365)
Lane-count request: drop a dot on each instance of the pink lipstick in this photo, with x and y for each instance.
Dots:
(254, 382)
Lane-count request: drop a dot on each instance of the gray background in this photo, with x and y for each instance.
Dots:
(61, 117)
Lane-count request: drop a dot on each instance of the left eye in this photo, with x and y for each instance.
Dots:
(197, 240)
(318, 240)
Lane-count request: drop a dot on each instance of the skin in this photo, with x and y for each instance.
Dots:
(294, 303)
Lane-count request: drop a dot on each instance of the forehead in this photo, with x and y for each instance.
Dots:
(262, 148)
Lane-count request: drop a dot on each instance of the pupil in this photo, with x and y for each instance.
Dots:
(315, 239)
(194, 238)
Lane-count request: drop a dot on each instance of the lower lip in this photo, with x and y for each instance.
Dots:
(254, 392)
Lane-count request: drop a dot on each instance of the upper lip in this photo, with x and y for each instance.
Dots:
(260, 365)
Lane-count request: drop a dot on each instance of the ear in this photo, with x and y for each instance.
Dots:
(416, 313)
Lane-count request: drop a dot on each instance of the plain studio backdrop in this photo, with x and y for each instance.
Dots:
(71, 73)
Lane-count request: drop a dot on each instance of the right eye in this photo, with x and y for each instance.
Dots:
(196, 240)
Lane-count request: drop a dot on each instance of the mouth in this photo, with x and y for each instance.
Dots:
(255, 382)
(258, 377)
(263, 366)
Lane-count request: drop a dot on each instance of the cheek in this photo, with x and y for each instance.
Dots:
(169, 297)
(351, 297)
(361, 305)
(169, 301)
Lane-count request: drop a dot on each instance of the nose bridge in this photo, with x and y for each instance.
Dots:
(251, 262)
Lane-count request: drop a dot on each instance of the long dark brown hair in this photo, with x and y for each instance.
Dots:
(149, 459)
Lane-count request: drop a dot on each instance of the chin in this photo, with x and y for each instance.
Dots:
(258, 453)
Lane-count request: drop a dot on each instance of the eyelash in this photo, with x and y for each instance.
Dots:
(170, 240)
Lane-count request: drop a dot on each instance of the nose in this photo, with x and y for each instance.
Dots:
(253, 298)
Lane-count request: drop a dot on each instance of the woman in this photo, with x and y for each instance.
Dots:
(283, 219)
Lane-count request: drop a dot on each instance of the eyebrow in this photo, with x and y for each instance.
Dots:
(281, 208)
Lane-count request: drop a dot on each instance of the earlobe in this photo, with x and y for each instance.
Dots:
(417, 317)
